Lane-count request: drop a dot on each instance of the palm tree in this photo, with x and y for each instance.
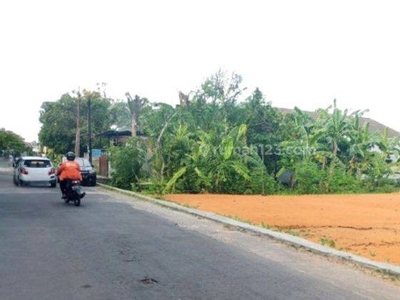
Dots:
(135, 106)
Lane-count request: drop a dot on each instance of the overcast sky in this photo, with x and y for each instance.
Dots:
(299, 53)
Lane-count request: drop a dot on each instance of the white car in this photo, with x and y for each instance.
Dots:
(34, 170)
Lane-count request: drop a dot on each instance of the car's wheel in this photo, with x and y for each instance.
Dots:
(53, 184)
(20, 182)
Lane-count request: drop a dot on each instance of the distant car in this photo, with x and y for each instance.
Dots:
(89, 176)
(34, 170)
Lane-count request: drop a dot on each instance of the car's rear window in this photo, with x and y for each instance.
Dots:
(82, 162)
(37, 164)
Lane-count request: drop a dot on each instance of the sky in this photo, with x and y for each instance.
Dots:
(299, 53)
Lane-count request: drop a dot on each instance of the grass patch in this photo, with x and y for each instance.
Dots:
(292, 232)
(188, 205)
(265, 225)
(238, 219)
(328, 242)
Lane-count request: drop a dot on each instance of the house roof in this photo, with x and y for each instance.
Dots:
(379, 127)
(114, 133)
(374, 126)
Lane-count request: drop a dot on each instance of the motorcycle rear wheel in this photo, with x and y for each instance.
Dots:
(77, 201)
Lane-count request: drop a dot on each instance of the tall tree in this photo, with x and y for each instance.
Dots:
(135, 105)
(59, 120)
(119, 115)
(12, 143)
(263, 122)
(78, 127)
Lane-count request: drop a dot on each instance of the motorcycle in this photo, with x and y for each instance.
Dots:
(73, 192)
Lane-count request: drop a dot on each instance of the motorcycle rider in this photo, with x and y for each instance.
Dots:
(69, 170)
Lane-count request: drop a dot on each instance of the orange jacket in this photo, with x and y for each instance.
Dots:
(69, 170)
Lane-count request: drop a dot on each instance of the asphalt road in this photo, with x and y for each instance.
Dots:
(117, 247)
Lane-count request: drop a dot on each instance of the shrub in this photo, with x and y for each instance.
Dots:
(127, 164)
(308, 176)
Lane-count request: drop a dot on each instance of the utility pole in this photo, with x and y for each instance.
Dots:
(90, 127)
(78, 131)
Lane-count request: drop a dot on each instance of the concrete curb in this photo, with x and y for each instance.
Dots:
(384, 268)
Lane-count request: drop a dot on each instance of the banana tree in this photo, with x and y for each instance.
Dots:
(383, 160)
(361, 145)
(215, 163)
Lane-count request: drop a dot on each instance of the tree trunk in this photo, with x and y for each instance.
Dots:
(133, 125)
(78, 131)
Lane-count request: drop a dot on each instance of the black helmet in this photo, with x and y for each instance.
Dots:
(70, 155)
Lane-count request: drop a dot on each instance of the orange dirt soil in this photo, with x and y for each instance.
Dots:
(367, 225)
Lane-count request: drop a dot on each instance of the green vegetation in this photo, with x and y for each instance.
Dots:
(292, 232)
(11, 143)
(220, 141)
(265, 225)
(328, 242)
(59, 122)
(372, 253)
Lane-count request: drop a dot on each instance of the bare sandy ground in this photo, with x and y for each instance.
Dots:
(367, 225)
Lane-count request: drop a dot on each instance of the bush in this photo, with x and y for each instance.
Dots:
(308, 177)
(340, 182)
(127, 162)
